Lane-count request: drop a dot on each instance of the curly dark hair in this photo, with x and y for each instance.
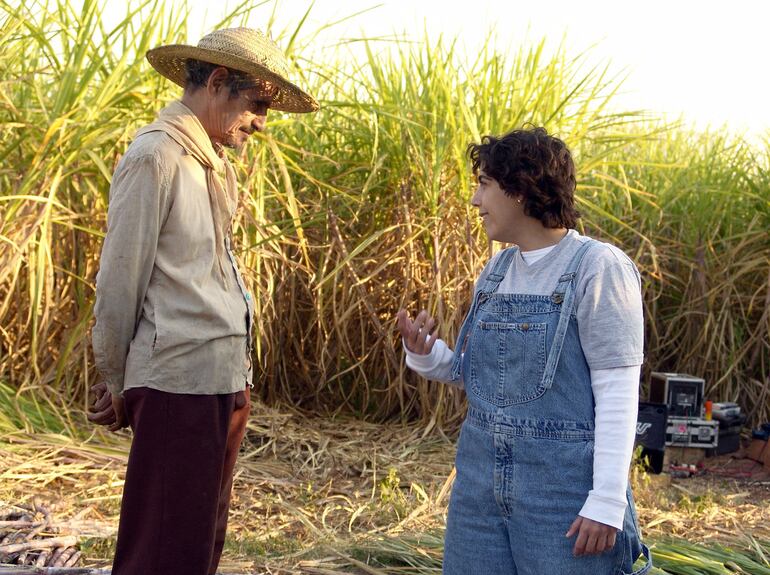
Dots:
(197, 74)
(535, 165)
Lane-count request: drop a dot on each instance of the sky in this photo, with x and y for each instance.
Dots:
(705, 62)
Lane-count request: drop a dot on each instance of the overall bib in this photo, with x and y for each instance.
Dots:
(525, 454)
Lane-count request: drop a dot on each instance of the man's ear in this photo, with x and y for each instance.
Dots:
(217, 79)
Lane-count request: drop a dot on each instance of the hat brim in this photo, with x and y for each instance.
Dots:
(169, 61)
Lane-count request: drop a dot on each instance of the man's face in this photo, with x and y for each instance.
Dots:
(234, 118)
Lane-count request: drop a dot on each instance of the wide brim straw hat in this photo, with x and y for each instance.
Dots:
(243, 49)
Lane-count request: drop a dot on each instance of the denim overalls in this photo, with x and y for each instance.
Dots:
(525, 454)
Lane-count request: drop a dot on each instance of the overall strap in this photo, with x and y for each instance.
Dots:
(489, 285)
(493, 279)
(563, 295)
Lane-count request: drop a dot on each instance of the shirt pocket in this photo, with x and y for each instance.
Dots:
(508, 361)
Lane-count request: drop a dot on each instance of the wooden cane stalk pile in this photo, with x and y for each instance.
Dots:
(28, 536)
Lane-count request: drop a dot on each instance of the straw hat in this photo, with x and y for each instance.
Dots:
(242, 49)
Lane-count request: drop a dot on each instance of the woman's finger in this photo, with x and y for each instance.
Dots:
(431, 342)
(580, 542)
(592, 543)
(574, 527)
(406, 328)
(426, 334)
(604, 544)
(402, 321)
(417, 329)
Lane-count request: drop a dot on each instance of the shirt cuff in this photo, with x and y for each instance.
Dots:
(427, 362)
(604, 510)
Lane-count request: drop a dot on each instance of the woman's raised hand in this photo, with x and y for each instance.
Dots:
(418, 334)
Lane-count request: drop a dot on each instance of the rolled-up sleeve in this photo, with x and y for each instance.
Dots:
(139, 196)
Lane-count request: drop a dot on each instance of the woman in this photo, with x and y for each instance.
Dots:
(549, 356)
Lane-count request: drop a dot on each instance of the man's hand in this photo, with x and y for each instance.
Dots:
(121, 419)
(417, 334)
(101, 412)
(106, 409)
(593, 538)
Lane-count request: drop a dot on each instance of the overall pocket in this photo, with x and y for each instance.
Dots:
(508, 361)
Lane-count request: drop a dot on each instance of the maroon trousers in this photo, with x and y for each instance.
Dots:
(176, 496)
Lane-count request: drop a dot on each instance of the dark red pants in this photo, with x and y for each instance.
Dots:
(176, 496)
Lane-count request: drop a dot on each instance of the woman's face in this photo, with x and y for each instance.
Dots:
(502, 214)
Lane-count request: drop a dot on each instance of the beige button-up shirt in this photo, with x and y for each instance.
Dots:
(165, 316)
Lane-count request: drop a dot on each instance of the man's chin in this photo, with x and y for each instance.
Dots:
(235, 143)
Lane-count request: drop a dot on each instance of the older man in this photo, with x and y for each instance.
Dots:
(172, 338)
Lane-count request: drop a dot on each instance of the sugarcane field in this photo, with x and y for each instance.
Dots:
(318, 294)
